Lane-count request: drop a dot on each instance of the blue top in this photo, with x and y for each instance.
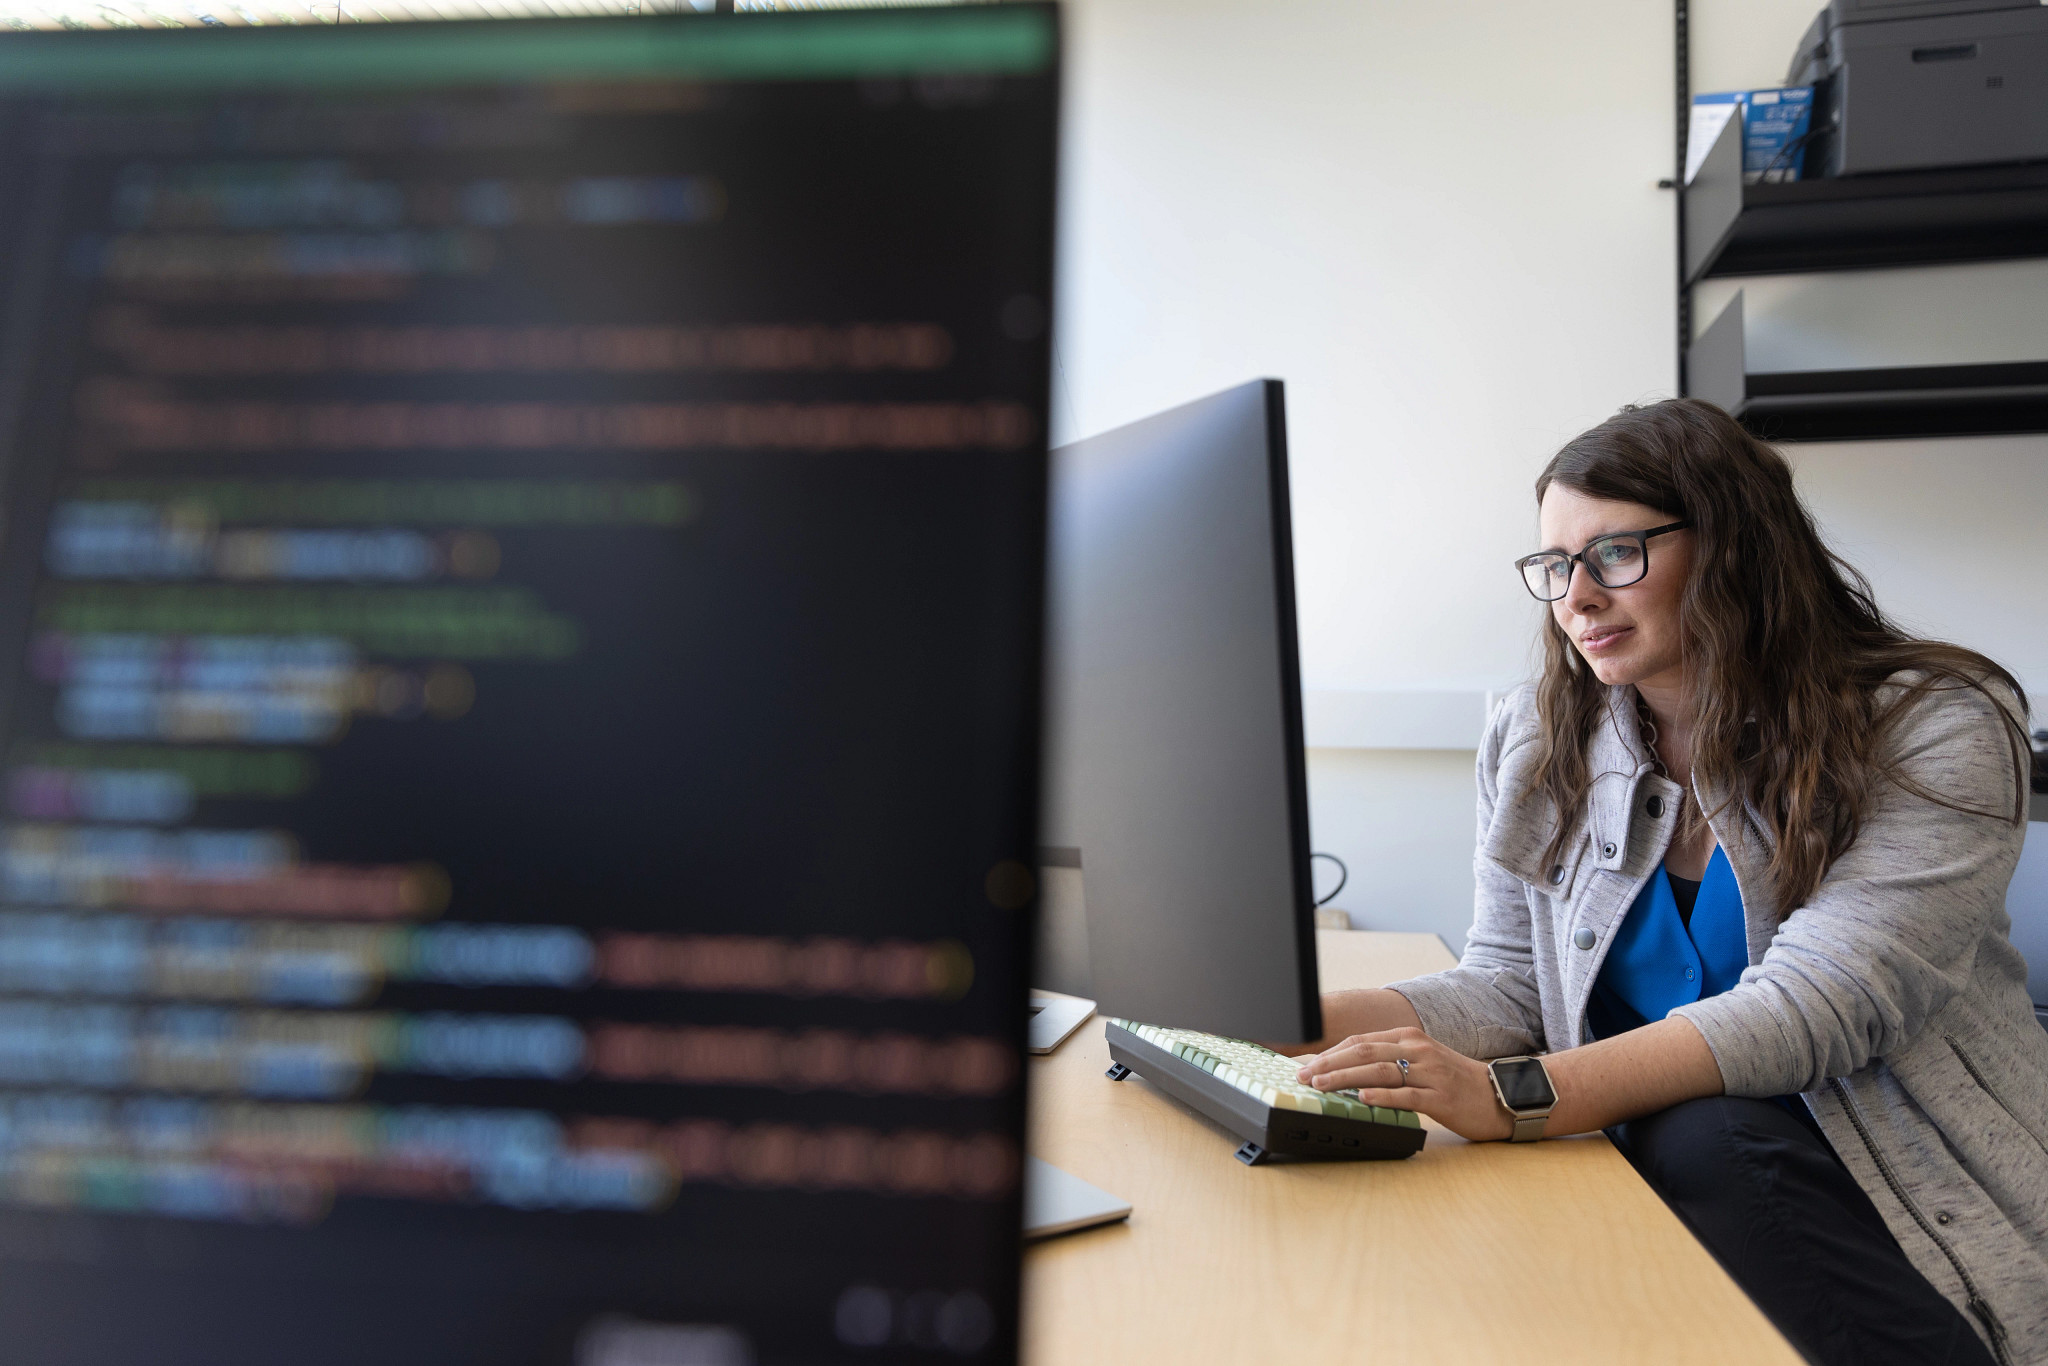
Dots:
(1660, 961)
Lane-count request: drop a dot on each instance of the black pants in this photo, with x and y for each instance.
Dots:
(1768, 1197)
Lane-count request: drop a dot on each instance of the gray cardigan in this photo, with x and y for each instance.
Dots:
(1893, 999)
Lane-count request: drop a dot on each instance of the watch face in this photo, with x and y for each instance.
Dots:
(1524, 1085)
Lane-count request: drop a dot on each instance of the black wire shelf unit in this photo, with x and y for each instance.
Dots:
(1913, 218)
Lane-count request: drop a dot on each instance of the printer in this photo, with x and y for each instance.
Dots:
(1913, 84)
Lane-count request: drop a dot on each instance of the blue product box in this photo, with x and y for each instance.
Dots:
(1774, 125)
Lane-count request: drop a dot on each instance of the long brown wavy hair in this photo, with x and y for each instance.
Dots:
(1784, 648)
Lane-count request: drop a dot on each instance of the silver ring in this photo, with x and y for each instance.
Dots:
(1402, 1063)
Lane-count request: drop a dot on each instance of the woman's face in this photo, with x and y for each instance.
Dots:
(1628, 635)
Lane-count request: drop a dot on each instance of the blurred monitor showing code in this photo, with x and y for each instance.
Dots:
(519, 634)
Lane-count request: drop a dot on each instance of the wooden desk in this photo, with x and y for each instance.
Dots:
(1466, 1252)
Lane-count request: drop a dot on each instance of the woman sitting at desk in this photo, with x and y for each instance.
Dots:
(1743, 854)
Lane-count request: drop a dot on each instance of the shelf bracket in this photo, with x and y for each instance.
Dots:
(1716, 366)
(1713, 201)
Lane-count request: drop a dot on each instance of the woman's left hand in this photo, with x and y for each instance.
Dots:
(1440, 1082)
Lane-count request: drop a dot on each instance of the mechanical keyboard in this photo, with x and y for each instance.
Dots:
(1252, 1092)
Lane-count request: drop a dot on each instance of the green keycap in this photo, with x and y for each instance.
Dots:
(1407, 1119)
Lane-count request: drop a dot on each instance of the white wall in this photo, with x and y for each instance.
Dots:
(1402, 820)
(1439, 224)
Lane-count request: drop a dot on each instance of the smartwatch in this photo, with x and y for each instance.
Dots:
(1525, 1091)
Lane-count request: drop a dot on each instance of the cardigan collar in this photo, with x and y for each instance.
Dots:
(1624, 777)
(1616, 831)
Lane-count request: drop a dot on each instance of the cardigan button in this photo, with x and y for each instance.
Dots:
(1943, 1217)
(1655, 806)
(1583, 936)
(1606, 851)
(1557, 875)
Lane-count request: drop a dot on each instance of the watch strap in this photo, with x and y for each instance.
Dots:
(1529, 1128)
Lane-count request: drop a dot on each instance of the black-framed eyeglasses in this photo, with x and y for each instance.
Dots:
(1614, 561)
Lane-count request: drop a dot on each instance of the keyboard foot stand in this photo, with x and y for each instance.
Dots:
(1117, 1071)
(1251, 1154)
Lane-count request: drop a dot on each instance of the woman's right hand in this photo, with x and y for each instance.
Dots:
(1405, 1069)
